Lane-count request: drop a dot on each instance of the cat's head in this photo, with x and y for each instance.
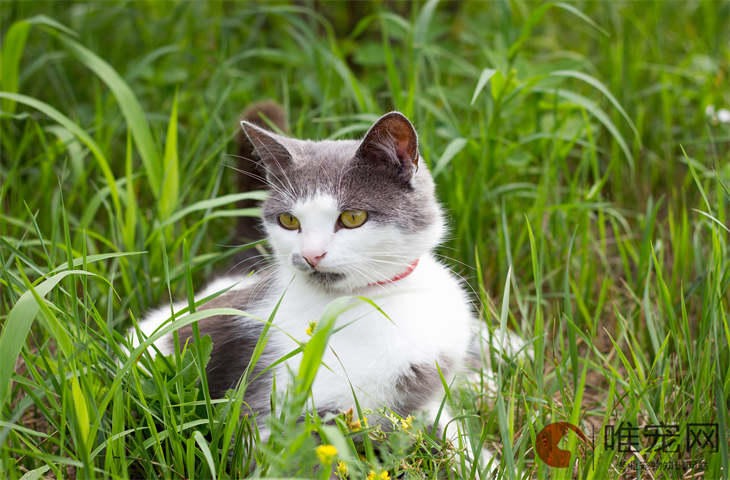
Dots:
(346, 214)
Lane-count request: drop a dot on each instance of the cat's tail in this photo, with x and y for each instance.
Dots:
(251, 176)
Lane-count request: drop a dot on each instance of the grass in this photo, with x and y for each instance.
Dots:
(586, 186)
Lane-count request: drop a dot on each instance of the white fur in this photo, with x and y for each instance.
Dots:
(428, 317)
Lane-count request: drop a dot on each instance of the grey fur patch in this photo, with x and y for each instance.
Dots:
(234, 339)
(375, 174)
(419, 385)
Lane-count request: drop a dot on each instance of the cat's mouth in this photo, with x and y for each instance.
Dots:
(315, 275)
(326, 278)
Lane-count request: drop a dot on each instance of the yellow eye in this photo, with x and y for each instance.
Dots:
(289, 221)
(353, 218)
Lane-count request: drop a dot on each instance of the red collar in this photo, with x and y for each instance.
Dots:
(400, 276)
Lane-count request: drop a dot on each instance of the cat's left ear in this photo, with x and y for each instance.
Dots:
(391, 142)
(268, 146)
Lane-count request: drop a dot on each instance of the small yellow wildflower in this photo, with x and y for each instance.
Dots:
(371, 475)
(384, 476)
(310, 328)
(406, 423)
(341, 469)
(326, 453)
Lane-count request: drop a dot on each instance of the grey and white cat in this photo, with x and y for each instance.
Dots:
(345, 217)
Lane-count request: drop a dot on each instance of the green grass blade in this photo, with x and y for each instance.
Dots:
(94, 258)
(484, 77)
(452, 149)
(212, 203)
(570, 8)
(18, 324)
(35, 474)
(12, 51)
(203, 444)
(592, 81)
(170, 174)
(420, 29)
(600, 115)
(72, 127)
(130, 106)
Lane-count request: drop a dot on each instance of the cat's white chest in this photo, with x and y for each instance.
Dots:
(428, 320)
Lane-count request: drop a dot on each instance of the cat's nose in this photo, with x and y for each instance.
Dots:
(313, 259)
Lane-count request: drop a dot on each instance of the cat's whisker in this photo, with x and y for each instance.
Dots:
(359, 273)
(452, 259)
(466, 283)
(369, 279)
(267, 148)
(404, 263)
(253, 267)
(267, 259)
(382, 247)
(279, 189)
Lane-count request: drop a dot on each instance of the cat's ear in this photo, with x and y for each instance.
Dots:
(268, 146)
(392, 143)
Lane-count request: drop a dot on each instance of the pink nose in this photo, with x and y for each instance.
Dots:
(314, 259)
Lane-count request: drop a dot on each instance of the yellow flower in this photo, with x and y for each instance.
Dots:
(384, 475)
(341, 469)
(326, 453)
(406, 423)
(310, 328)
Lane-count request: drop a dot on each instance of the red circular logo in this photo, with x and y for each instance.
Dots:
(546, 444)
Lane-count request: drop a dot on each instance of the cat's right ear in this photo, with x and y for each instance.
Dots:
(391, 145)
(268, 146)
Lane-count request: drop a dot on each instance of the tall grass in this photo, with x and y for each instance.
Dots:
(586, 187)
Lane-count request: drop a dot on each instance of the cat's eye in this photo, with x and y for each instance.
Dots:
(353, 218)
(289, 221)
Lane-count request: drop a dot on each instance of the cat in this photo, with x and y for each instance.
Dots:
(343, 218)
